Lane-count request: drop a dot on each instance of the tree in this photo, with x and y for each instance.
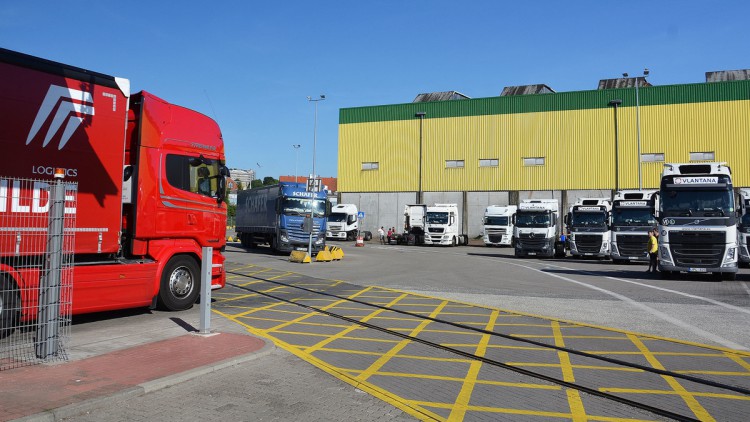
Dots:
(267, 181)
(256, 183)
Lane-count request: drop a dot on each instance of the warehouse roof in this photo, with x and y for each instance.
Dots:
(728, 75)
(623, 83)
(526, 90)
(439, 96)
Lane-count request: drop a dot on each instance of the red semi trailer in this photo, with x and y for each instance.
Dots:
(150, 181)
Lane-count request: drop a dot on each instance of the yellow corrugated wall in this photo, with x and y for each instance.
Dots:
(578, 147)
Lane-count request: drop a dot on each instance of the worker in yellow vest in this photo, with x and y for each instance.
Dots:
(653, 251)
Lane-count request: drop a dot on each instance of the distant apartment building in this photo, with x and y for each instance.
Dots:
(242, 176)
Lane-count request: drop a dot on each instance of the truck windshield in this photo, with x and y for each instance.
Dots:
(589, 219)
(532, 219)
(496, 221)
(299, 206)
(697, 203)
(337, 217)
(437, 218)
(633, 217)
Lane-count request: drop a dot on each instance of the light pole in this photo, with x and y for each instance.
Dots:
(314, 176)
(638, 123)
(296, 159)
(615, 104)
(421, 115)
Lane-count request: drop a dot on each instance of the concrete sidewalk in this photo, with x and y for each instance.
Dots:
(122, 355)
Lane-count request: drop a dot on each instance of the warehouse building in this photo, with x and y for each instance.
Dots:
(533, 142)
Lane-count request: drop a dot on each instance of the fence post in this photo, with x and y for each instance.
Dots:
(48, 317)
(206, 265)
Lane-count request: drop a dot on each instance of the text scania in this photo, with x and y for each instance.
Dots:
(50, 171)
(33, 201)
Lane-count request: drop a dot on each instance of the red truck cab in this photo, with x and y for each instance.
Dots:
(149, 177)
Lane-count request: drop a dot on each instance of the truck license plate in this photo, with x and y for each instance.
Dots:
(301, 249)
(588, 254)
(532, 253)
(697, 270)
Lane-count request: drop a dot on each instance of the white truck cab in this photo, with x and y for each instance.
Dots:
(588, 224)
(698, 215)
(498, 225)
(442, 226)
(632, 219)
(343, 223)
(535, 228)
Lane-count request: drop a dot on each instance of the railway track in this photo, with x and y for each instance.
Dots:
(274, 289)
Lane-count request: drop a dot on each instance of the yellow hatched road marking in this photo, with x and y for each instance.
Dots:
(610, 352)
(674, 393)
(569, 337)
(733, 374)
(456, 379)
(492, 409)
(467, 333)
(574, 397)
(699, 411)
(378, 340)
(558, 365)
(351, 328)
(464, 396)
(499, 346)
(251, 311)
(303, 317)
(739, 361)
(397, 348)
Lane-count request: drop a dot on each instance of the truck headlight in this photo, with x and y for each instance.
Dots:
(730, 258)
(283, 237)
(665, 256)
(615, 251)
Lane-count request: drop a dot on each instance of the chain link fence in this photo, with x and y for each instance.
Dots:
(37, 238)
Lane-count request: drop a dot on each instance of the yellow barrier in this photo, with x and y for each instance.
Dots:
(324, 256)
(299, 256)
(229, 239)
(336, 252)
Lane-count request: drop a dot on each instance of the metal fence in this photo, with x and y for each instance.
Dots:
(37, 238)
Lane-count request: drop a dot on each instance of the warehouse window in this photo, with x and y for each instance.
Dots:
(702, 156)
(653, 157)
(454, 163)
(490, 162)
(533, 161)
(370, 166)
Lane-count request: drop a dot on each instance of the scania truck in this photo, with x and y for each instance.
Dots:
(588, 225)
(149, 178)
(535, 232)
(498, 225)
(275, 215)
(344, 224)
(442, 226)
(698, 215)
(632, 219)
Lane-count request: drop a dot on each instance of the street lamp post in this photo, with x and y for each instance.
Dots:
(638, 124)
(615, 104)
(296, 159)
(314, 176)
(421, 115)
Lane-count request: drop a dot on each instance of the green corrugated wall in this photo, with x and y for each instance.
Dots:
(573, 131)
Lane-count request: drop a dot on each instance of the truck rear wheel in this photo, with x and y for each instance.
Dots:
(180, 284)
(10, 307)
(368, 236)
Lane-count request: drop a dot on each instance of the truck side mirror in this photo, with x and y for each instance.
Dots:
(566, 219)
(328, 207)
(513, 219)
(221, 189)
(278, 205)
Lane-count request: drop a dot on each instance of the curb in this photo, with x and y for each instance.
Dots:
(76, 409)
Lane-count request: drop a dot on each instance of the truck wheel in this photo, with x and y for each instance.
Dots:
(274, 245)
(454, 242)
(728, 276)
(244, 240)
(665, 275)
(180, 284)
(368, 236)
(10, 307)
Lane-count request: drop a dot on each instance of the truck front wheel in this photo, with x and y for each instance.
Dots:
(180, 284)
(10, 307)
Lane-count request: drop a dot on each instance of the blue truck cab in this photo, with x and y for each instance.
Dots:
(275, 215)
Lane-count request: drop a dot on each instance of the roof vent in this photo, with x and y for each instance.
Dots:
(526, 90)
(440, 96)
(623, 83)
(728, 75)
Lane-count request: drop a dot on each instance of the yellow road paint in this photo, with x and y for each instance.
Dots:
(698, 410)
(464, 396)
(397, 348)
(674, 393)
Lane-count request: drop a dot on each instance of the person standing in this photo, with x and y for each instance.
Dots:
(381, 233)
(653, 251)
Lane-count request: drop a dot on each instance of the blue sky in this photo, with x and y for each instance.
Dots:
(251, 64)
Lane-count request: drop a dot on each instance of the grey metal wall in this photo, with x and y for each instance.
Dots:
(387, 208)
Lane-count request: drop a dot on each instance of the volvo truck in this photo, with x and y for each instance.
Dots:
(632, 219)
(344, 224)
(149, 178)
(697, 217)
(275, 215)
(744, 228)
(588, 227)
(498, 225)
(443, 226)
(535, 231)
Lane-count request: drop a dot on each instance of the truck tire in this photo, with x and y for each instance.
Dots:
(368, 236)
(180, 284)
(465, 238)
(10, 307)
(454, 242)
(274, 245)
(244, 240)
